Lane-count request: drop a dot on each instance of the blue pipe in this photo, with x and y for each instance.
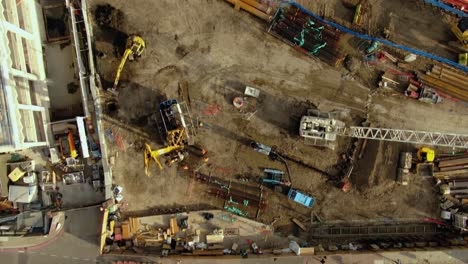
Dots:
(446, 7)
(383, 41)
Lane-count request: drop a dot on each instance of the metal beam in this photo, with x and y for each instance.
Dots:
(410, 136)
(83, 73)
(22, 74)
(8, 86)
(35, 54)
(17, 30)
(31, 107)
(34, 144)
(6, 148)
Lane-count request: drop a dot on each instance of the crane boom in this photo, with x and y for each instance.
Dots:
(408, 136)
(321, 129)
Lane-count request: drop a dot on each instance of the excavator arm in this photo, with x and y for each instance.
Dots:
(121, 65)
(135, 47)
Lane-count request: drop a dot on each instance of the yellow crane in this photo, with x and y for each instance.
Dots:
(135, 47)
(175, 146)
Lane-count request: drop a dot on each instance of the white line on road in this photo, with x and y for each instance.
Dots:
(58, 256)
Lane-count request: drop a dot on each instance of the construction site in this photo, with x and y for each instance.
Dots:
(269, 128)
(242, 83)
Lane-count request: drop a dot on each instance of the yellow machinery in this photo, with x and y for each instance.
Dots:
(463, 59)
(135, 47)
(426, 154)
(70, 149)
(177, 132)
(175, 147)
(460, 30)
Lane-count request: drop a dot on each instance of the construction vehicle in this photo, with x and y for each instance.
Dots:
(301, 198)
(177, 132)
(275, 177)
(272, 153)
(322, 130)
(174, 149)
(426, 154)
(460, 30)
(425, 164)
(134, 48)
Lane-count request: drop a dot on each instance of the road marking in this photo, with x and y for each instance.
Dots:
(59, 256)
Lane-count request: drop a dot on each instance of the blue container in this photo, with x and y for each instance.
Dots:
(301, 198)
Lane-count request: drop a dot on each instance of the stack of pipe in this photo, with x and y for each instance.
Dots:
(452, 167)
(308, 35)
(447, 81)
(255, 8)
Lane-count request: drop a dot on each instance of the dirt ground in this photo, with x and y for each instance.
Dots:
(219, 51)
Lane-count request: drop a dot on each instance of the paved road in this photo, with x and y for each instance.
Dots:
(79, 244)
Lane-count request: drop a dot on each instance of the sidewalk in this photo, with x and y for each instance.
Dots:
(21, 243)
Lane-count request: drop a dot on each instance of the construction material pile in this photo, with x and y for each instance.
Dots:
(452, 166)
(308, 35)
(255, 8)
(449, 82)
(452, 178)
(239, 198)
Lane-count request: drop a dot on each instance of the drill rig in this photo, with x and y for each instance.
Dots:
(177, 131)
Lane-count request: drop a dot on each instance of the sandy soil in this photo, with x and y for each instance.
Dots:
(219, 51)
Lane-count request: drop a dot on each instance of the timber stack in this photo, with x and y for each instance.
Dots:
(447, 81)
(452, 167)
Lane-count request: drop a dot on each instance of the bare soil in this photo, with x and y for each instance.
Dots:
(219, 51)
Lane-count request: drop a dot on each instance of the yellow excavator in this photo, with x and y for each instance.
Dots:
(135, 47)
(425, 164)
(460, 30)
(426, 154)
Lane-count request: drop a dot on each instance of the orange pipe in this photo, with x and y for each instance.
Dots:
(239, 4)
(258, 6)
(71, 143)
